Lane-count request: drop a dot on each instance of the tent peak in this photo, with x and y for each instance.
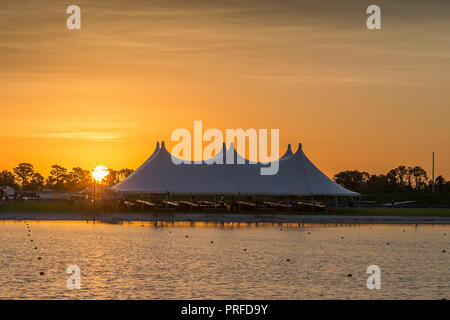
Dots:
(288, 152)
(299, 149)
(231, 146)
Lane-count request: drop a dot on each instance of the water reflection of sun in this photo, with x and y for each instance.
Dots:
(99, 173)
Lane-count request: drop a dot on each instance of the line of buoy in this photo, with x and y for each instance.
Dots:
(35, 248)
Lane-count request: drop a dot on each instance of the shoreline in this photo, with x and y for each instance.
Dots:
(223, 218)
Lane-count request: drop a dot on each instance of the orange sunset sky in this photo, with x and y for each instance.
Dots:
(137, 70)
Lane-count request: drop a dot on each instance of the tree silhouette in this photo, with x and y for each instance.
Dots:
(442, 185)
(352, 179)
(400, 179)
(57, 178)
(36, 182)
(78, 179)
(114, 177)
(7, 179)
(24, 173)
(420, 178)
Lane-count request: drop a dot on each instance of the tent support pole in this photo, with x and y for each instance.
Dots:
(167, 197)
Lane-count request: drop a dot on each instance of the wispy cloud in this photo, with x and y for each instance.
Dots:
(74, 128)
(78, 135)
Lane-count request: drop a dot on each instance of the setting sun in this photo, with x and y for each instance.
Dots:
(99, 173)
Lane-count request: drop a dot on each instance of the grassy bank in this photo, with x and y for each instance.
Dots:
(404, 212)
(422, 197)
(49, 206)
(83, 207)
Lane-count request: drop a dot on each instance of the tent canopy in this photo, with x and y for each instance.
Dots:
(297, 175)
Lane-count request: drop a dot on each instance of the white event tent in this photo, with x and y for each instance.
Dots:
(297, 175)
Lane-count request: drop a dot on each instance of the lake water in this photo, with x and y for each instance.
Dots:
(143, 261)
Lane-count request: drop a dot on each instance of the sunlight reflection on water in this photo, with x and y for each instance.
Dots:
(222, 261)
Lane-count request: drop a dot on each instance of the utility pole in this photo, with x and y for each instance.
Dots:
(432, 179)
(432, 176)
(93, 179)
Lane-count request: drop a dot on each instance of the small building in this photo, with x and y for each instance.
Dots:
(7, 192)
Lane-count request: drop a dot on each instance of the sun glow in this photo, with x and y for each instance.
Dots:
(99, 173)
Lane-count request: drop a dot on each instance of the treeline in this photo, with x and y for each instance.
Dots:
(402, 179)
(399, 180)
(24, 177)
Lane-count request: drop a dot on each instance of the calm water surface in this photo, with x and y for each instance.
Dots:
(143, 261)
